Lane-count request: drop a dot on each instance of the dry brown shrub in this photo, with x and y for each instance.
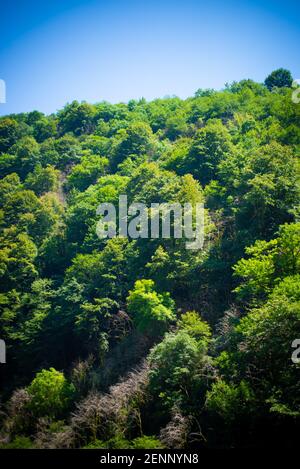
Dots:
(175, 434)
(101, 416)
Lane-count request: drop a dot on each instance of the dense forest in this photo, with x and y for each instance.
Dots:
(142, 343)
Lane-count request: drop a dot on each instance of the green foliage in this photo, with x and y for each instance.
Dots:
(143, 442)
(261, 340)
(87, 172)
(210, 146)
(92, 324)
(17, 256)
(192, 323)
(8, 133)
(19, 442)
(146, 442)
(228, 401)
(97, 444)
(50, 393)
(42, 179)
(177, 367)
(44, 128)
(104, 273)
(279, 78)
(269, 262)
(26, 153)
(77, 117)
(151, 311)
(98, 308)
(133, 142)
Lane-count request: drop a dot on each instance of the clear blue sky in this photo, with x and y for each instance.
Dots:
(54, 51)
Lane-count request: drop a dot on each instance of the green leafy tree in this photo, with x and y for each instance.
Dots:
(229, 401)
(17, 257)
(192, 323)
(44, 128)
(77, 117)
(269, 262)
(278, 79)
(87, 172)
(151, 311)
(93, 325)
(68, 297)
(211, 145)
(27, 154)
(135, 141)
(8, 133)
(178, 371)
(50, 393)
(42, 180)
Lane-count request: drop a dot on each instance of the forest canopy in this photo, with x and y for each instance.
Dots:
(141, 343)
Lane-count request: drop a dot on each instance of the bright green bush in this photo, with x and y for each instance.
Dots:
(50, 393)
(146, 442)
(151, 311)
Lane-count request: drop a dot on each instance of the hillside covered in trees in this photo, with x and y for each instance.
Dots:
(122, 343)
